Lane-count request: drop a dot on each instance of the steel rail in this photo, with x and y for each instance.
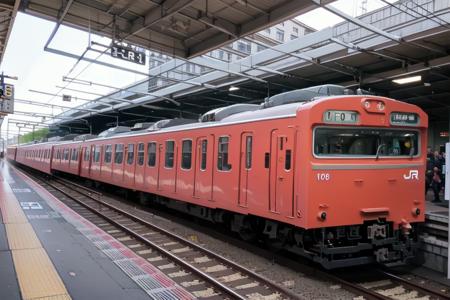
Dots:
(193, 245)
(423, 289)
(347, 284)
(139, 237)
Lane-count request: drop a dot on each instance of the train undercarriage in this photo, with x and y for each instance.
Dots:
(375, 241)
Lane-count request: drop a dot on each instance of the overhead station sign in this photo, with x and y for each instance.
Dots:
(128, 53)
(6, 99)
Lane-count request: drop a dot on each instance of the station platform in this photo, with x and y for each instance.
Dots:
(47, 251)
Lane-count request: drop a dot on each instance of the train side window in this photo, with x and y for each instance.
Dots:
(130, 154)
(140, 154)
(118, 153)
(97, 154)
(151, 154)
(204, 155)
(222, 157)
(169, 156)
(288, 157)
(108, 153)
(186, 154)
(248, 152)
(66, 154)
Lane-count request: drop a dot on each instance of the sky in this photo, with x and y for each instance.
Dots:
(38, 70)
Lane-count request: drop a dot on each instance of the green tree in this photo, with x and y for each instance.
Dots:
(38, 134)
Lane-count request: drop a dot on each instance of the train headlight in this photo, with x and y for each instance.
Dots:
(367, 104)
(416, 211)
(322, 215)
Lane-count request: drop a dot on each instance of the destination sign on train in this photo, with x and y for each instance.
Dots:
(340, 116)
(400, 118)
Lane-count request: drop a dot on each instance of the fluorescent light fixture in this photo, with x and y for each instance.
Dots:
(406, 80)
(233, 88)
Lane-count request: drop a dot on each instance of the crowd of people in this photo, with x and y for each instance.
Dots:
(435, 175)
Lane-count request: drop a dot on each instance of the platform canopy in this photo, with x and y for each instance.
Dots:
(399, 40)
(182, 28)
(8, 11)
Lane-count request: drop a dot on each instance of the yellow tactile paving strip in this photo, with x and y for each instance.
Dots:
(37, 277)
(21, 236)
(9, 206)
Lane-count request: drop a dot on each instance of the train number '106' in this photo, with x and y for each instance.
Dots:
(323, 176)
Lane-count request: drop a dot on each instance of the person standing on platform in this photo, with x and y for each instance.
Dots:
(436, 184)
(429, 173)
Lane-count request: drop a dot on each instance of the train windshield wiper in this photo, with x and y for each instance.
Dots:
(381, 146)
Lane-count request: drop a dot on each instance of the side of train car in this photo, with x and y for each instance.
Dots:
(339, 180)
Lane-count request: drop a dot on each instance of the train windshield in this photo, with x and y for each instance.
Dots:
(355, 142)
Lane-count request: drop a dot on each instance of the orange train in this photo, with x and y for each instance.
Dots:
(338, 179)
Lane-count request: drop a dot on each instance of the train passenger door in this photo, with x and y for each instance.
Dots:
(91, 159)
(168, 167)
(140, 166)
(160, 161)
(203, 172)
(118, 163)
(130, 164)
(245, 166)
(282, 171)
(96, 161)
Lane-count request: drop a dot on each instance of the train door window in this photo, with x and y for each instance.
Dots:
(108, 153)
(151, 154)
(130, 154)
(118, 153)
(248, 152)
(204, 150)
(87, 153)
(170, 150)
(140, 154)
(222, 157)
(97, 154)
(66, 154)
(288, 159)
(186, 154)
(74, 154)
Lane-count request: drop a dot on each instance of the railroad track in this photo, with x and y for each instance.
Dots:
(217, 275)
(205, 274)
(384, 285)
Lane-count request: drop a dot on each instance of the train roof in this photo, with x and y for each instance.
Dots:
(264, 113)
(277, 112)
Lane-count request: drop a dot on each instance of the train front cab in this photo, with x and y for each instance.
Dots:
(365, 180)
